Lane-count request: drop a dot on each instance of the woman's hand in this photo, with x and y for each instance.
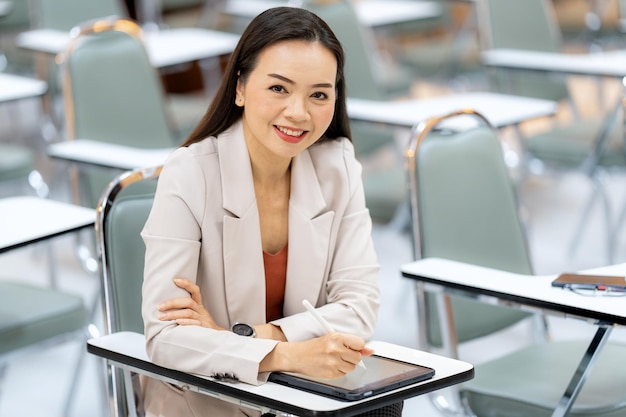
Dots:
(187, 311)
(330, 356)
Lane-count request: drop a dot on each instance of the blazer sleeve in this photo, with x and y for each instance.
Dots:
(172, 235)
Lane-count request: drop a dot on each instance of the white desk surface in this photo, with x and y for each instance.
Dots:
(531, 290)
(608, 64)
(25, 220)
(133, 345)
(165, 47)
(500, 109)
(16, 87)
(108, 155)
(372, 13)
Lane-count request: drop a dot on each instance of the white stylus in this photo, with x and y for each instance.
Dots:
(323, 322)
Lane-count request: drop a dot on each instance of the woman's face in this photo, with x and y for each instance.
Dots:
(288, 99)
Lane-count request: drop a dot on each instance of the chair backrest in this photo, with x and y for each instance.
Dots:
(112, 94)
(528, 25)
(464, 208)
(65, 14)
(111, 90)
(122, 211)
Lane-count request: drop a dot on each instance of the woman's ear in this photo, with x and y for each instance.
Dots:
(239, 97)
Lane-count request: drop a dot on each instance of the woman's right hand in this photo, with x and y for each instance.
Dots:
(330, 356)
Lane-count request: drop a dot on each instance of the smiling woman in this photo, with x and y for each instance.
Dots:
(262, 207)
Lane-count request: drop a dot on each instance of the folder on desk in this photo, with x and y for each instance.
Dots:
(591, 282)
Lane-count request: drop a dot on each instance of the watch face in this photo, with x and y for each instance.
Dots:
(243, 329)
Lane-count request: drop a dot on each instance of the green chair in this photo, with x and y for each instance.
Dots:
(444, 51)
(464, 208)
(122, 211)
(368, 78)
(34, 318)
(17, 169)
(126, 106)
(65, 14)
(592, 146)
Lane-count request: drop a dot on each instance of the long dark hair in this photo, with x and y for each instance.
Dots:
(272, 26)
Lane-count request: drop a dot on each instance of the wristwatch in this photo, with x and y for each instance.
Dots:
(243, 329)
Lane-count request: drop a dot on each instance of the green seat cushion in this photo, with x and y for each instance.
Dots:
(30, 314)
(569, 145)
(384, 191)
(15, 162)
(530, 382)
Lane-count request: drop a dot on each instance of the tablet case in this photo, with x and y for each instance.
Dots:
(382, 375)
(591, 282)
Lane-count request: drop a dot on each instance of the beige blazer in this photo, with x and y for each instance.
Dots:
(204, 226)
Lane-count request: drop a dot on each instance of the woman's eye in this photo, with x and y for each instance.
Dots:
(277, 88)
(319, 95)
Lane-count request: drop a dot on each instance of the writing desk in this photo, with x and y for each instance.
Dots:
(107, 155)
(26, 220)
(604, 64)
(371, 13)
(531, 292)
(165, 48)
(500, 109)
(16, 87)
(127, 350)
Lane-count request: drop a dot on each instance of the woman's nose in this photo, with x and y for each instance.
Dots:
(297, 109)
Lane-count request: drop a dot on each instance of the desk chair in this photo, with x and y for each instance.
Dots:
(368, 77)
(127, 104)
(34, 318)
(122, 211)
(592, 146)
(464, 208)
(17, 168)
(447, 53)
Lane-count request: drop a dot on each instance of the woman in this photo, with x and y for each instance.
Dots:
(261, 208)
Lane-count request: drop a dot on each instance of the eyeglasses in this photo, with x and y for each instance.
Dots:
(596, 290)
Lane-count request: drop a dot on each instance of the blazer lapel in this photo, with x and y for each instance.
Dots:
(243, 256)
(309, 236)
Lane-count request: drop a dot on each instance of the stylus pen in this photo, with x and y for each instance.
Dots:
(323, 322)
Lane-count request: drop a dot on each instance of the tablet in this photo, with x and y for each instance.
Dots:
(382, 375)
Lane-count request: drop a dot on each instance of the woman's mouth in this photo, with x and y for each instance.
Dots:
(290, 135)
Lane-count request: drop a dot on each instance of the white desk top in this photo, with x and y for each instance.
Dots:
(608, 64)
(372, 13)
(25, 220)
(133, 345)
(108, 155)
(501, 110)
(165, 47)
(16, 87)
(531, 290)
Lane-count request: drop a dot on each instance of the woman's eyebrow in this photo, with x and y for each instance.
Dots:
(289, 81)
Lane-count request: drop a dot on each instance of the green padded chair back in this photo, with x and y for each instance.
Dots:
(65, 14)
(122, 211)
(18, 17)
(125, 106)
(115, 95)
(465, 209)
(529, 25)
